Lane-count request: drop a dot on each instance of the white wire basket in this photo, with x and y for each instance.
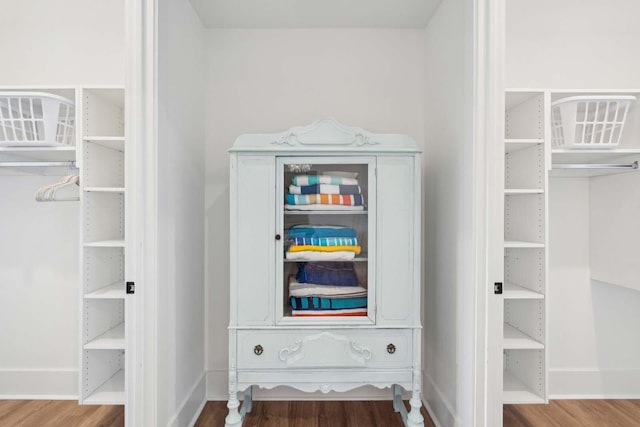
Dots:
(589, 121)
(36, 119)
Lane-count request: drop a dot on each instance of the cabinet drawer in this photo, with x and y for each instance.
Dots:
(387, 348)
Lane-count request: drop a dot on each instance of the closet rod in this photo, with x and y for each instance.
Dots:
(633, 165)
(37, 164)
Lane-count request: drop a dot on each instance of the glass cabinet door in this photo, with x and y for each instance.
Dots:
(326, 240)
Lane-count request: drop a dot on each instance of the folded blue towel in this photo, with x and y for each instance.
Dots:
(319, 303)
(323, 241)
(324, 188)
(327, 273)
(321, 231)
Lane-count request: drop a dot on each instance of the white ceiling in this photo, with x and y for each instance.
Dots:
(315, 13)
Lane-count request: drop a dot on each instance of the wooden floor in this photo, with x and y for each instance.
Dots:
(558, 413)
(574, 413)
(58, 413)
(311, 414)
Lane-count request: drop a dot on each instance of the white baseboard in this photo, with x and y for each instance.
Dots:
(39, 384)
(190, 408)
(217, 390)
(439, 408)
(594, 384)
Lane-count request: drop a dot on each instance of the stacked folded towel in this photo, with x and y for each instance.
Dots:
(331, 191)
(322, 243)
(327, 289)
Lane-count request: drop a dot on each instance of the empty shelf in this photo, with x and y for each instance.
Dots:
(514, 391)
(113, 291)
(511, 145)
(516, 191)
(517, 340)
(112, 142)
(105, 189)
(38, 154)
(113, 339)
(512, 291)
(592, 155)
(520, 244)
(109, 393)
(105, 244)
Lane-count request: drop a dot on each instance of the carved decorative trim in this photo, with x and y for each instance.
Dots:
(344, 351)
(288, 352)
(325, 132)
(325, 387)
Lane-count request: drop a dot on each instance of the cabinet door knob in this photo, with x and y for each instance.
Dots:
(278, 237)
(258, 350)
(391, 349)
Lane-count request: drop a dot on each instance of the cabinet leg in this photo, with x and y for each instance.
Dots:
(398, 406)
(233, 418)
(414, 419)
(247, 404)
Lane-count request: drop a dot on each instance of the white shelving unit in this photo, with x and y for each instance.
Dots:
(513, 291)
(111, 392)
(116, 243)
(112, 291)
(525, 247)
(102, 159)
(514, 339)
(104, 189)
(520, 244)
(40, 154)
(516, 391)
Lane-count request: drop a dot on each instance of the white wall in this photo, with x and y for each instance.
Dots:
(579, 44)
(67, 42)
(269, 80)
(39, 287)
(63, 42)
(449, 294)
(573, 44)
(181, 172)
(594, 346)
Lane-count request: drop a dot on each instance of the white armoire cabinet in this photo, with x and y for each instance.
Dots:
(284, 330)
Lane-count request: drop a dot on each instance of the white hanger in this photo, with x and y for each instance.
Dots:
(48, 193)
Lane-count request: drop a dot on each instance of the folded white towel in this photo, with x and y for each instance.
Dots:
(320, 256)
(309, 289)
(321, 207)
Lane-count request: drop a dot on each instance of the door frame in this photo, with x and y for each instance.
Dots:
(488, 128)
(142, 394)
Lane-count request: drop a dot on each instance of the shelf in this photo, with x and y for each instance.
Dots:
(520, 244)
(105, 189)
(111, 142)
(512, 291)
(109, 393)
(591, 155)
(518, 191)
(514, 391)
(113, 291)
(113, 339)
(511, 145)
(325, 212)
(517, 340)
(356, 259)
(105, 244)
(515, 97)
(38, 154)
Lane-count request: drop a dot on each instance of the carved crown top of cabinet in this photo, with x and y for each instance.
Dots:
(325, 135)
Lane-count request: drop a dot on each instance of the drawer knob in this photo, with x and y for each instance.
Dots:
(278, 237)
(391, 349)
(258, 350)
